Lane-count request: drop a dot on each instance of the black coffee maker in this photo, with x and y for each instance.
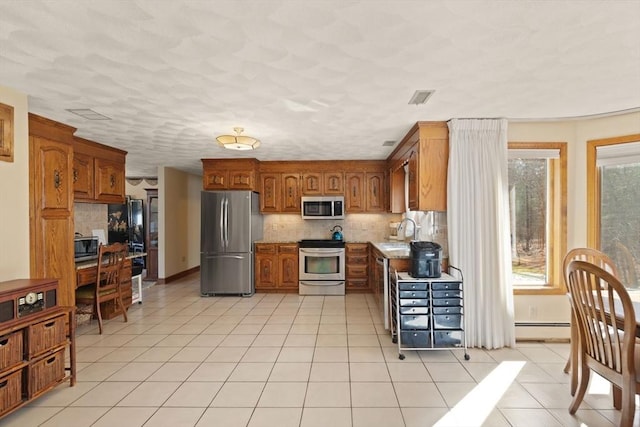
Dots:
(426, 259)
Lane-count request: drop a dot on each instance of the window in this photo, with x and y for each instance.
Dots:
(614, 189)
(537, 206)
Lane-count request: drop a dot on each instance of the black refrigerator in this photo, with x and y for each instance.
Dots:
(126, 225)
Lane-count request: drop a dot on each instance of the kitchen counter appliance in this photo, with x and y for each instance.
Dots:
(85, 248)
(426, 258)
(322, 267)
(230, 224)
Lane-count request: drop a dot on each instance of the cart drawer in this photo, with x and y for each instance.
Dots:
(447, 294)
(413, 302)
(447, 321)
(447, 338)
(416, 339)
(414, 322)
(10, 349)
(414, 310)
(447, 310)
(414, 294)
(453, 302)
(10, 391)
(446, 286)
(412, 286)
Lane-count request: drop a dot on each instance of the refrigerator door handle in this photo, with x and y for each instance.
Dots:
(229, 256)
(226, 222)
(222, 223)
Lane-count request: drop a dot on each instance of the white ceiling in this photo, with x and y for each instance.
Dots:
(311, 79)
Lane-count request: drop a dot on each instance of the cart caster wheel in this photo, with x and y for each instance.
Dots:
(401, 356)
(466, 356)
(394, 340)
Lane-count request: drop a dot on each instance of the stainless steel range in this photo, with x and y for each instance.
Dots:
(322, 267)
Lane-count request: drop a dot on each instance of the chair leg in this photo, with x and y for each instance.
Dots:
(583, 382)
(99, 315)
(628, 405)
(573, 356)
(617, 397)
(122, 308)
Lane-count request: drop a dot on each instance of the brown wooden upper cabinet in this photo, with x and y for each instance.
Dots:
(322, 183)
(365, 192)
(229, 174)
(425, 153)
(98, 172)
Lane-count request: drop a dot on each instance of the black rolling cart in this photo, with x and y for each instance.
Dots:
(428, 313)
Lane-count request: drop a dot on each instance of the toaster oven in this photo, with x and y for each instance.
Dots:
(85, 248)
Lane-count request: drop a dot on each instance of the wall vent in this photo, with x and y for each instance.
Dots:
(389, 143)
(421, 97)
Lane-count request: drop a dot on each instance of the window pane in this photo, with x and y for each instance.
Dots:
(620, 218)
(528, 209)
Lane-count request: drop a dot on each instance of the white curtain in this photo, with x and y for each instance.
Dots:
(478, 227)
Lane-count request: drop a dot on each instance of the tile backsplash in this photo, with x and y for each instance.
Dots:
(90, 216)
(355, 227)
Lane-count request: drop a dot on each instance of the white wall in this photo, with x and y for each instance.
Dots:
(179, 221)
(14, 193)
(555, 308)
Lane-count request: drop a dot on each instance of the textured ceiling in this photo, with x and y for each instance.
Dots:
(311, 79)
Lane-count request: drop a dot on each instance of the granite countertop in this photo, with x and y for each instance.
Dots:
(94, 262)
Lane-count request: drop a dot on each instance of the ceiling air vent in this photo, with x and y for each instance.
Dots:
(421, 97)
(88, 114)
(389, 143)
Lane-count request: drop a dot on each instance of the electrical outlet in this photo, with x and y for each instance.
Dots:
(533, 312)
(274, 226)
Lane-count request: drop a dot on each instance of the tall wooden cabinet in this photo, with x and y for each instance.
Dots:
(151, 234)
(51, 205)
(425, 153)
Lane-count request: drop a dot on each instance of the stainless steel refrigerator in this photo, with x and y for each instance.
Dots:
(231, 222)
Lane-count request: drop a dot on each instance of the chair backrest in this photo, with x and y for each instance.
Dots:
(604, 338)
(110, 262)
(589, 255)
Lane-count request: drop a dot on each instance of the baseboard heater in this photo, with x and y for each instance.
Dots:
(544, 324)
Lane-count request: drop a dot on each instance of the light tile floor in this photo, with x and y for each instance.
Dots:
(281, 360)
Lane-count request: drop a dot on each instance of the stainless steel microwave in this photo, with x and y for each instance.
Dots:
(323, 207)
(85, 248)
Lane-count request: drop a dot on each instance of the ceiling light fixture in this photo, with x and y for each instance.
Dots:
(238, 142)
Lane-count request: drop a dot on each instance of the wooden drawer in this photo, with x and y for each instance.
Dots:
(10, 391)
(46, 335)
(288, 249)
(356, 248)
(357, 259)
(357, 284)
(11, 349)
(46, 372)
(356, 271)
(262, 248)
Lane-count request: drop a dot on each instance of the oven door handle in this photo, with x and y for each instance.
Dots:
(321, 251)
(323, 283)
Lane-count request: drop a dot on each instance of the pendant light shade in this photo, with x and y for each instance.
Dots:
(238, 141)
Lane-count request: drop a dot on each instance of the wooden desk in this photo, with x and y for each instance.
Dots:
(86, 273)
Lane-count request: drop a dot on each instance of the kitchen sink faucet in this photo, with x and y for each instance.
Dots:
(415, 228)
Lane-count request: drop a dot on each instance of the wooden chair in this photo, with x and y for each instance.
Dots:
(606, 324)
(107, 287)
(603, 261)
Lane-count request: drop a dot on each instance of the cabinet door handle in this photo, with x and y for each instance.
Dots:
(75, 175)
(57, 180)
(112, 180)
(4, 342)
(50, 324)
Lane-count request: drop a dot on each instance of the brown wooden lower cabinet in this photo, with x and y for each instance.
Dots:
(357, 266)
(276, 267)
